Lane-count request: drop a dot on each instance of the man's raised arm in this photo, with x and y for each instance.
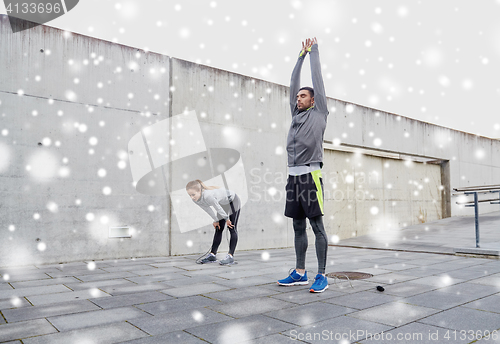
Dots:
(295, 81)
(317, 79)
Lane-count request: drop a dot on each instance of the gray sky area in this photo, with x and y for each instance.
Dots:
(436, 61)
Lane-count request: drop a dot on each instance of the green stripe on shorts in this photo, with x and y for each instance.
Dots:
(319, 193)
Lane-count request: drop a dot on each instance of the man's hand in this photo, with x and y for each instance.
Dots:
(307, 45)
(304, 49)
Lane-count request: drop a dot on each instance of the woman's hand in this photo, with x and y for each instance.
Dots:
(229, 224)
(216, 224)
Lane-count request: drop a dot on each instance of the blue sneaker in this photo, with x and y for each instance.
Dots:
(294, 279)
(320, 284)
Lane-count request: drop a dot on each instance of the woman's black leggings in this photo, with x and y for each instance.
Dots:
(299, 226)
(233, 209)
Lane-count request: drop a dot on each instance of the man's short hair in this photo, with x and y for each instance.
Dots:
(310, 89)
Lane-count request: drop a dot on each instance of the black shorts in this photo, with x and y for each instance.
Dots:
(304, 195)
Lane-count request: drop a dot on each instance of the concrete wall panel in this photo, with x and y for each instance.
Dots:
(252, 117)
(374, 193)
(89, 71)
(67, 178)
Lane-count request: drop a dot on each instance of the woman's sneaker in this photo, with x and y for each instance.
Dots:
(227, 261)
(320, 284)
(294, 279)
(210, 259)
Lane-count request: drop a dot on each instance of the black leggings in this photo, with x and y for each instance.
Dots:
(299, 226)
(233, 209)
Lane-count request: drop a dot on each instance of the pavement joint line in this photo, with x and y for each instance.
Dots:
(434, 325)
(90, 300)
(227, 315)
(498, 330)
(473, 255)
(206, 341)
(392, 249)
(24, 297)
(443, 310)
(149, 334)
(288, 322)
(208, 297)
(393, 327)
(139, 309)
(68, 287)
(52, 325)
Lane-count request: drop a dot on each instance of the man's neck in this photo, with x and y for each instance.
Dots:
(306, 109)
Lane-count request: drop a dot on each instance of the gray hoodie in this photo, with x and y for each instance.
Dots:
(305, 137)
(215, 198)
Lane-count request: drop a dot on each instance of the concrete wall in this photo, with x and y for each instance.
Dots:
(368, 194)
(69, 105)
(84, 99)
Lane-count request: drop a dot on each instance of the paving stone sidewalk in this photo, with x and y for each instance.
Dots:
(428, 298)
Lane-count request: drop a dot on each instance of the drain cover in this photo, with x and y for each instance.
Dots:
(349, 275)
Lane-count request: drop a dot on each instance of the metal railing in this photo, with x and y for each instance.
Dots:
(475, 190)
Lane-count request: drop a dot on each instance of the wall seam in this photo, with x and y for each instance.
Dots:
(170, 102)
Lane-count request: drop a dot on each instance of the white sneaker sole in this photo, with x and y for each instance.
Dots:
(221, 263)
(318, 291)
(294, 283)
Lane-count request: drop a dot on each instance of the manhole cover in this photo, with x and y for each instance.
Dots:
(349, 275)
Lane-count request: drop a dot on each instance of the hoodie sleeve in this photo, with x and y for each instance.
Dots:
(214, 203)
(209, 211)
(319, 88)
(295, 81)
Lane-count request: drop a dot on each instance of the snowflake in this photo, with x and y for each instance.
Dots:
(52, 207)
(403, 11)
(479, 153)
(467, 84)
(335, 239)
(70, 95)
(377, 28)
(41, 246)
(198, 316)
(94, 292)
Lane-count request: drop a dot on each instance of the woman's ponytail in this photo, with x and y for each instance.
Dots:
(199, 185)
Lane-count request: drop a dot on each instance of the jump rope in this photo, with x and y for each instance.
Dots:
(204, 255)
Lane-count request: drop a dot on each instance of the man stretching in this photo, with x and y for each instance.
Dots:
(304, 189)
